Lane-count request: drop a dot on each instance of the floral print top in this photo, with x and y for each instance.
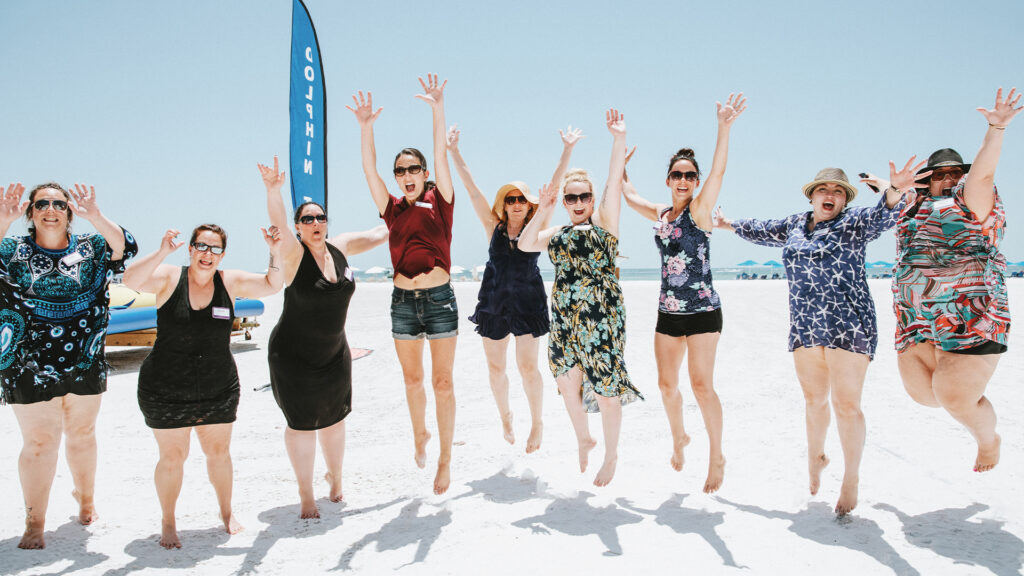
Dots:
(685, 265)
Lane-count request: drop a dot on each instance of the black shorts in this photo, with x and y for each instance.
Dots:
(676, 325)
(989, 347)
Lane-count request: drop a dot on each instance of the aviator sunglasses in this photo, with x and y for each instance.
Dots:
(585, 198)
(203, 247)
(309, 218)
(676, 175)
(59, 205)
(414, 169)
(510, 200)
(956, 174)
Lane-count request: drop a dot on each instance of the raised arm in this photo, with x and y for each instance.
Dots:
(979, 191)
(289, 249)
(901, 181)
(607, 214)
(149, 274)
(242, 284)
(570, 138)
(366, 116)
(762, 232)
(476, 197)
(535, 236)
(708, 196)
(84, 205)
(433, 94)
(11, 206)
(634, 200)
(352, 243)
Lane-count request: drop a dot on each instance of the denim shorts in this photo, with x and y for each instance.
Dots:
(431, 312)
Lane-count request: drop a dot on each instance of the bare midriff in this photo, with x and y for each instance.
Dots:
(435, 277)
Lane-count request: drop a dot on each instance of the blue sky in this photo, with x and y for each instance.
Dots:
(167, 106)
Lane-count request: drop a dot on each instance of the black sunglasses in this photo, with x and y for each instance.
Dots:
(309, 218)
(414, 169)
(59, 205)
(585, 198)
(203, 247)
(676, 175)
(510, 200)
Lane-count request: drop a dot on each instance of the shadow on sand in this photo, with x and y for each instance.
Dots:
(197, 546)
(501, 488)
(575, 517)
(408, 529)
(683, 520)
(948, 533)
(65, 544)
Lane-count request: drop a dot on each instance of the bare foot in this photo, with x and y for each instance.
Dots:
(847, 497)
(716, 471)
(443, 478)
(231, 525)
(421, 449)
(815, 464)
(677, 452)
(308, 509)
(536, 434)
(86, 509)
(585, 447)
(988, 456)
(32, 539)
(169, 536)
(606, 473)
(335, 487)
(506, 427)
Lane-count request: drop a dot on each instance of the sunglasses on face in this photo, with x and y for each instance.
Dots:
(414, 169)
(510, 200)
(203, 247)
(59, 205)
(585, 198)
(676, 175)
(956, 174)
(309, 219)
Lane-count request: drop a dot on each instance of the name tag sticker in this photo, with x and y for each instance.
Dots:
(221, 313)
(424, 204)
(72, 259)
(348, 274)
(657, 226)
(582, 227)
(944, 203)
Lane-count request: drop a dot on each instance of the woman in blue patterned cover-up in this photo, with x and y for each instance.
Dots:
(832, 331)
(588, 324)
(52, 365)
(512, 299)
(689, 310)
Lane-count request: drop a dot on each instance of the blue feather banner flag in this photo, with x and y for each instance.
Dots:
(307, 105)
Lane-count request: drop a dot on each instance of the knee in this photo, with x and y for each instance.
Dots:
(952, 398)
(79, 433)
(847, 411)
(173, 457)
(668, 385)
(816, 400)
(527, 366)
(41, 444)
(923, 395)
(413, 378)
(442, 383)
(218, 451)
(496, 369)
(702, 388)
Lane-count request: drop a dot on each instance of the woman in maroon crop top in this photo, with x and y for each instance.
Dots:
(423, 303)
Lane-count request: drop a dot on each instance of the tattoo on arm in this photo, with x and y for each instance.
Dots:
(271, 266)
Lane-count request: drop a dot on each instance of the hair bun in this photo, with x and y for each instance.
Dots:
(685, 152)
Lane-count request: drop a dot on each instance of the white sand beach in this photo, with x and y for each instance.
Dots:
(921, 511)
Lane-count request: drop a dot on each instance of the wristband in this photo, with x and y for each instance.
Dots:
(991, 125)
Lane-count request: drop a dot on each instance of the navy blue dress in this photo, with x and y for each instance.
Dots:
(512, 297)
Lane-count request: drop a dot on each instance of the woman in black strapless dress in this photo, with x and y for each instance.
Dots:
(189, 380)
(310, 362)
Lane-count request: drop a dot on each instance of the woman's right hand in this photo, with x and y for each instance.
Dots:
(907, 178)
(272, 178)
(11, 206)
(571, 136)
(548, 196)
(364, 109)
(453, 138)
(167, 244)
(616, 122)
(718, 220)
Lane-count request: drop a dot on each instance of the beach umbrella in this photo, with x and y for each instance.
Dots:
(456, 269)
(480, 268)
(747, 263)
(773, 264)
(377, 270)
(355, 269)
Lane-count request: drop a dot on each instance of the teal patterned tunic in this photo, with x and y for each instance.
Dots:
(588, 320)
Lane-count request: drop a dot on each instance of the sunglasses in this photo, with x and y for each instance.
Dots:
(309, 218)
(956, 174)
(414, 169)
(203, 247)
(59, 205)
(676, 175)
(510, 200)
(585, 198)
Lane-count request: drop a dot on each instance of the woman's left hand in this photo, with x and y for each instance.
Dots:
(907, 178)
(616, 122)
(433, 93)
(876, 183)
(84, 204)
(1005, 110)
(272, 236)
(548, 195)
(732, 109)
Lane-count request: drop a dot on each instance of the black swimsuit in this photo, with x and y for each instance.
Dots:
(190, 378)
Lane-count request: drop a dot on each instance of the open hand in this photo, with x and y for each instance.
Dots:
(84, 204)
(433, 93)
(272, 178)
(616, 122)
(571, 136)
(1005, 110)
(364, 109)
(732, 109)
(548, 195)
(453, 137)
(11, 206)
(718, 220)
(907, 178)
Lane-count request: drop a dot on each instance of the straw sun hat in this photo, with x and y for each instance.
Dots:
(833, 176)
(499, 198)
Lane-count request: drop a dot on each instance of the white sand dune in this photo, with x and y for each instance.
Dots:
(922, 510)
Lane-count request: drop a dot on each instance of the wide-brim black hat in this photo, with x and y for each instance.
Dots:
(945, 158)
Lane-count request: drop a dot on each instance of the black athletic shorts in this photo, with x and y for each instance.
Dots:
(676, 325)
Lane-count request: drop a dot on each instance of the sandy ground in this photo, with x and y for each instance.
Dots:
(922, 510)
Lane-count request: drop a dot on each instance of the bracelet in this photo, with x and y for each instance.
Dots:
(996, 127)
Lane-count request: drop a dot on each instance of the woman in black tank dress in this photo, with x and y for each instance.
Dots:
(310, 362)
(189, 380)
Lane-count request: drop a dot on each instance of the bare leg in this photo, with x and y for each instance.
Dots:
(215, 440)
(611, 424)
(80, 450)
(41, 424)
(301, 446)
(173, 444)
(916, 365)
(410, 356)
(959, 383)
(527, 347)
(669, 352)
(496, 351)
(703, 348)
(569, 384)
(812, 372)
(442, 360)
(846, 379)
(332, 445)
